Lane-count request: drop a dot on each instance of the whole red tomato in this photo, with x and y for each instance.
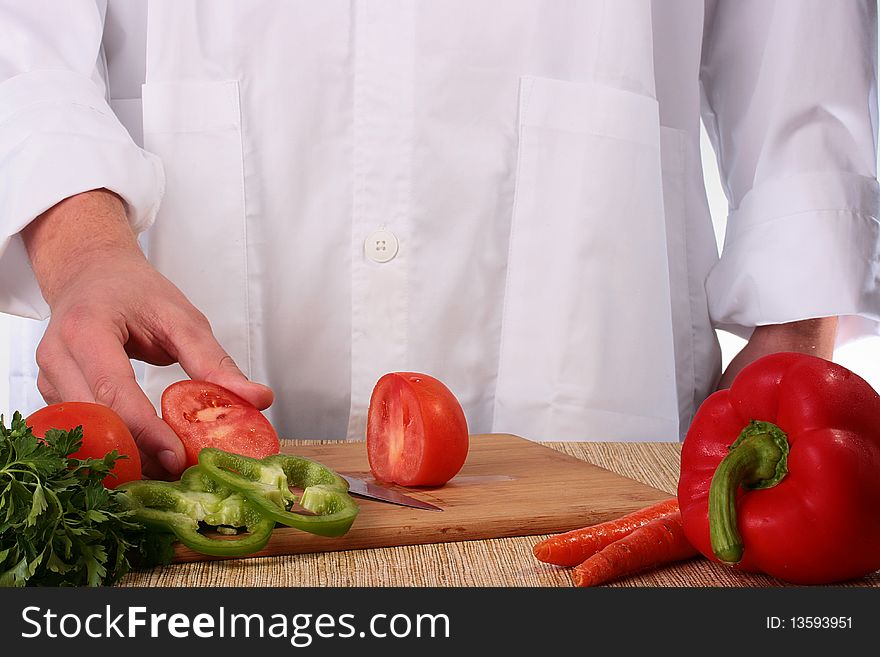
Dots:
(417, 434)
(204, 414)
(103, 431)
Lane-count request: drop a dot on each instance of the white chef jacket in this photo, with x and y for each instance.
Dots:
(506, 194)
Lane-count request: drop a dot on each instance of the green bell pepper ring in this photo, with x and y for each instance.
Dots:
(179, 507)
(265, 484)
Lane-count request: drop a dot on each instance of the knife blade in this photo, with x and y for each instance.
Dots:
(371, 491)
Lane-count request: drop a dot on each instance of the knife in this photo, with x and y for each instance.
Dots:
(371, 491)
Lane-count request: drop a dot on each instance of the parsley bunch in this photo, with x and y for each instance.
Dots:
(59, 526)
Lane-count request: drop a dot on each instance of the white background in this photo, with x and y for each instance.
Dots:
(861, 356)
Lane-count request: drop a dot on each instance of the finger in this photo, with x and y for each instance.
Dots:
(203, 359)
(60, 378)
(47, 390)
(109, 374)
(152, 469)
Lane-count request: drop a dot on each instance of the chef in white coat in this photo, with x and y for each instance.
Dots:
(506, 194)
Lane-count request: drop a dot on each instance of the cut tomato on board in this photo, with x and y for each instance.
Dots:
(417, 434)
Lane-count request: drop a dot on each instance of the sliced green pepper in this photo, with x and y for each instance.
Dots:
(179, 507)
(265, 484)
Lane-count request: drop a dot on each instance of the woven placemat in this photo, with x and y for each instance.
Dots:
(499, 562)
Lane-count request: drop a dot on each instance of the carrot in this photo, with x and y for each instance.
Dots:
(658, 543)
(571, 548)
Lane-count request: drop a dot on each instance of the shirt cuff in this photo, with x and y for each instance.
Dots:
(797, 248)
(58, 138)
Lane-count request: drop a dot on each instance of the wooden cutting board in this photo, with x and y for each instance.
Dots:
(509, 486)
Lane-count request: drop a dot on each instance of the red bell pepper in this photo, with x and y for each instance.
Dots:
(781, 473)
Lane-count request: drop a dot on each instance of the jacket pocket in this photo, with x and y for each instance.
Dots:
(199, 240)
(586, 349)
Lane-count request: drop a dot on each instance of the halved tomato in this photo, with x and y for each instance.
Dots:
(204, 414)
(417, 434)
(103, 431)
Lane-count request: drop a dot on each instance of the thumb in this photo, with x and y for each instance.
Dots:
(203, 359)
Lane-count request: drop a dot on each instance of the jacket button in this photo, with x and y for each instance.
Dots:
(381, 246)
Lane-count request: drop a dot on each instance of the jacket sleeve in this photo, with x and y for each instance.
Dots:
(58, 135)
(790, 104)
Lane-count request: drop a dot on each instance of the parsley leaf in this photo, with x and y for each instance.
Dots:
(59, 526)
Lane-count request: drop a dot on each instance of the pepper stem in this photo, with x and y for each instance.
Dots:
(757, 459)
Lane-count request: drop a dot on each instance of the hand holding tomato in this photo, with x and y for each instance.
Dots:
(103, 431)
(417, 434)
(110, 305)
